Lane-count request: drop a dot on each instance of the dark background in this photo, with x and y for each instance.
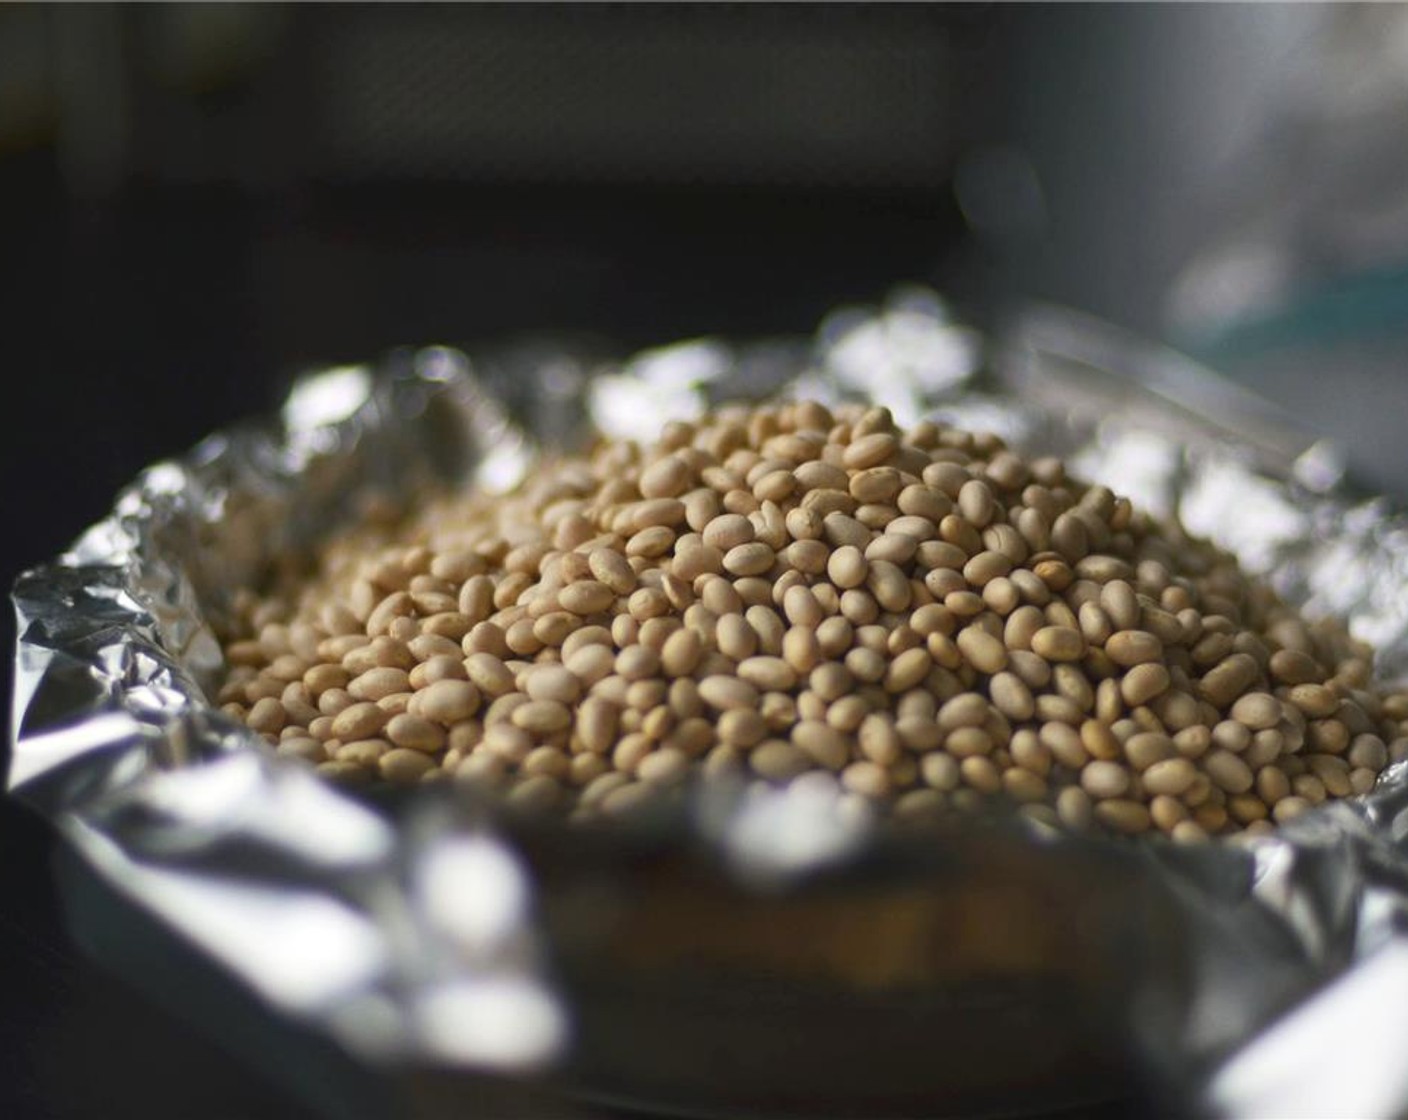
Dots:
(198, 202)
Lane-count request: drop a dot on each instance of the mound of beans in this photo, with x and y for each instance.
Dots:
(920, 616)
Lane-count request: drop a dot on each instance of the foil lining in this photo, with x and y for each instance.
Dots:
(1260, 976)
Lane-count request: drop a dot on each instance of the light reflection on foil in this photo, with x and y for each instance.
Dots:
(52, 750)
(903, 358)
(482, 920)
(771, 834)
(327, 398)
(1338, 1054)
(317, 404)
(238, 795)
(1142, 466)
(502, 1022)
(668, 383)
(1254, 517)
(354, 927)
(623, 408)
(300, 951)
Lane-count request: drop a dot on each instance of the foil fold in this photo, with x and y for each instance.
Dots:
(420, 937)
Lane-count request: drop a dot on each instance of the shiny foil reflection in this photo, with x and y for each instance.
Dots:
(439, 933)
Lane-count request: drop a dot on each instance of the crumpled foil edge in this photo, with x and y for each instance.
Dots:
(342, 921)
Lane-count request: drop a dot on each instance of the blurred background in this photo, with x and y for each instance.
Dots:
(196, 202)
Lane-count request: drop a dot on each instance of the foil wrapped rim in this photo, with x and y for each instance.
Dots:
(343, 920)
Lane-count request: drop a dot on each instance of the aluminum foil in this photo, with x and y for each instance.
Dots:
(756, 952)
